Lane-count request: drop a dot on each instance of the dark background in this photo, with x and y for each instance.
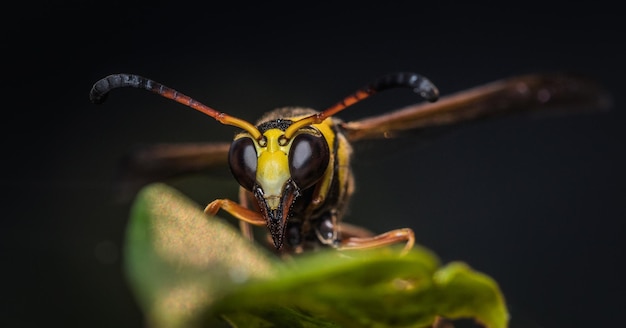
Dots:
(536, 204)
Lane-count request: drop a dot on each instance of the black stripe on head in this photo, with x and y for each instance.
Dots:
(281, 124)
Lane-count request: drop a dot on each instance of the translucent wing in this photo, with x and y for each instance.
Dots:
(533, 94)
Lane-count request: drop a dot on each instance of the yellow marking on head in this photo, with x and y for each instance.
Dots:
(273, 167)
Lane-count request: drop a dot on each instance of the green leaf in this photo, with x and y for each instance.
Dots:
(374, 288)
(191, 270)
(470, 294)
(178, 260)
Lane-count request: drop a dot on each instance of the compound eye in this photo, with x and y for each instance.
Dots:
(243, 159)
(308, 159)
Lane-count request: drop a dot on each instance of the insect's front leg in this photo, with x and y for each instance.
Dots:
(405, 235)
(238, 211)
(244, 200)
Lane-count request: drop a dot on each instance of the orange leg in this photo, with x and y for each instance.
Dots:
(244, 226)
(236, 210)
(394, 236)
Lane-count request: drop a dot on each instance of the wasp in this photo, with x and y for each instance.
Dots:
(293, 164)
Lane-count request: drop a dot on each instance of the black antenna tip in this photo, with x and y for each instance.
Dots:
(96, 97)
(428, 92)
(422, 86)
(418, 83)
(99, 91)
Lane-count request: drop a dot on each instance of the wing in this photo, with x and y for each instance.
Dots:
(535, 93)
(146, 164)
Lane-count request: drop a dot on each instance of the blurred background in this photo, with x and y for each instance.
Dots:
(536, 204)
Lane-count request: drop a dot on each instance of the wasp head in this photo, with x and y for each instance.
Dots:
(276, 170)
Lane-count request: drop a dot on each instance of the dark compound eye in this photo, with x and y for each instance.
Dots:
(308, 159)
(243, 159)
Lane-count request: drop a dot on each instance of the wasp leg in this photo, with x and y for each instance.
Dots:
(235, 210)
(244, 226)
(394, 236)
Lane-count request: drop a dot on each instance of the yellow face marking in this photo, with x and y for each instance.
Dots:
(273, 167)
